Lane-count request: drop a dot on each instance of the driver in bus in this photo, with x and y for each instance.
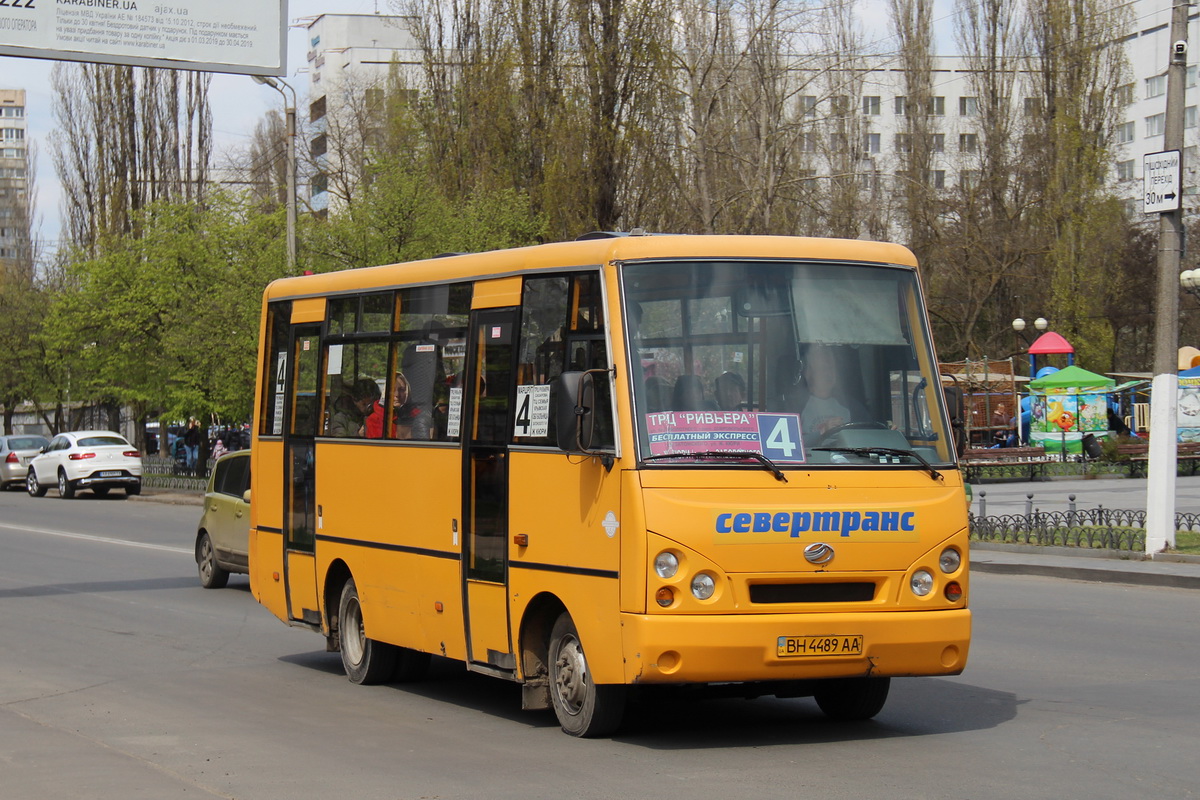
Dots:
(826, 409)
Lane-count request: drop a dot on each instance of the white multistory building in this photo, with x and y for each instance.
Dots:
(352, 54)
(14, 182)
(349, 57)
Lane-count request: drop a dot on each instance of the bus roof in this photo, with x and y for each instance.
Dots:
(589, 252)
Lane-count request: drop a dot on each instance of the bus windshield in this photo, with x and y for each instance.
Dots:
(801, 362)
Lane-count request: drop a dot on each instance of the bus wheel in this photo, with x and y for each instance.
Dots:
(853, 699)
(583, 708)
(366, 661)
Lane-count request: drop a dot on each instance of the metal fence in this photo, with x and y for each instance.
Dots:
(167, 473)
(1096, 528)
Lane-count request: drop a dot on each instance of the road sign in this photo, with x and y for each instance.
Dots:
(1160, 182)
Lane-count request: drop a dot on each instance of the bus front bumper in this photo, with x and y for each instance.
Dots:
(770, 647)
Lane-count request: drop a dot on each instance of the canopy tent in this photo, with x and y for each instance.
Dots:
(1049, 343)
(1068, 405)
(1072, 378)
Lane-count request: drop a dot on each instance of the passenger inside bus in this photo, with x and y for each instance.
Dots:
(351, 409)
(688, 394)
(730, 389)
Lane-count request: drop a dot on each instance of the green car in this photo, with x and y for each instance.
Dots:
(222, 541)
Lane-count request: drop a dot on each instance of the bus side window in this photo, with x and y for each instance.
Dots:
(431, 345)
(562, 328)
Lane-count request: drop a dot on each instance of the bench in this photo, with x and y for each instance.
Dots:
(1027, 463)
(1137, 454)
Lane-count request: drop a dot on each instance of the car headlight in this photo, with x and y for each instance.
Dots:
(921, 583)
(703, 586)
(950, 560)
(666, 564)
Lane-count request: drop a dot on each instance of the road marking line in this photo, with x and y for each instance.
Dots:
(102, 539)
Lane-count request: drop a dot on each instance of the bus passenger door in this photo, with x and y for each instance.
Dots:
(299, 475)
(488, 386)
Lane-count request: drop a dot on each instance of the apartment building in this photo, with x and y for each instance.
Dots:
(349, 57)
(14, 183)
(860, 112)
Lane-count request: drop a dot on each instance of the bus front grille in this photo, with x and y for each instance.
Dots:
(859, 592)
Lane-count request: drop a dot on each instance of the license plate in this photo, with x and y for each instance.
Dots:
(839, 645)
(111, 474)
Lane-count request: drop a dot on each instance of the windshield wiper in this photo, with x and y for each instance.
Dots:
(884, 451)
(738, 454)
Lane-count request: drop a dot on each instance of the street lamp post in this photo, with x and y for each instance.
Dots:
(1189, 279)
(290, 114)
(1040, 325)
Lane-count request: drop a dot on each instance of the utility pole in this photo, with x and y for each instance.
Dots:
(1163, 466)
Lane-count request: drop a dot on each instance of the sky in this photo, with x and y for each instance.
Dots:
(237, 103)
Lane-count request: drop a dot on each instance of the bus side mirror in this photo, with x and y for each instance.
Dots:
(954, 404)
(574, 417)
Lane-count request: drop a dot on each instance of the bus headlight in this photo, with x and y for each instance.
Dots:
(703, 586)
(921, 583)
(950, 560)
(666, 564)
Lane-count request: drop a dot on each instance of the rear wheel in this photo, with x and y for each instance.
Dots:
(32, 486)
(583, 707)
(66, 489)
(366, 661)
(133, 488)
(211, 574)
(853, 699)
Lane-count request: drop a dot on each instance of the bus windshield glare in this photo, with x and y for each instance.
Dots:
(800, 362)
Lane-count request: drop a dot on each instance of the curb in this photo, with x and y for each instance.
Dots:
(1090, 574)
(168, 497)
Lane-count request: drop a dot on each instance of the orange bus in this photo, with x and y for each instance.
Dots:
(625, 460)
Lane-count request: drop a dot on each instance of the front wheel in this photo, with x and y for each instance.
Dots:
(583, 707)
(32, 486)
(211, 574)
(853, 699)
(366, 661)
(66, 489)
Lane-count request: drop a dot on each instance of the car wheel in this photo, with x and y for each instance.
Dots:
(32, 486)
(583, 707)
(211, 574)
(100, 491)
(366, 661)
(66, 489)
(133, 488)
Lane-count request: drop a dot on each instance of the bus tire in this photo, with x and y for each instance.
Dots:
(853, 699)
(583, 708)
(366, 661)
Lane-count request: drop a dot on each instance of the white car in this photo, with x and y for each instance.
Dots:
(96, 460)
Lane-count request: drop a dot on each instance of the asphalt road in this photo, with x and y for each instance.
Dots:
(121, 678)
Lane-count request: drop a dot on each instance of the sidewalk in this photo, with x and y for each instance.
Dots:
(1179, 571)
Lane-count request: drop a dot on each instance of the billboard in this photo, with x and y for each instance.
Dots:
(212, 35)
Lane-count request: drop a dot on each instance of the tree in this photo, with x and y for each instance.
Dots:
(127, 137)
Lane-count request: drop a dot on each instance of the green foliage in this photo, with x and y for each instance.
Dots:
(168, 322)
(402, 216)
